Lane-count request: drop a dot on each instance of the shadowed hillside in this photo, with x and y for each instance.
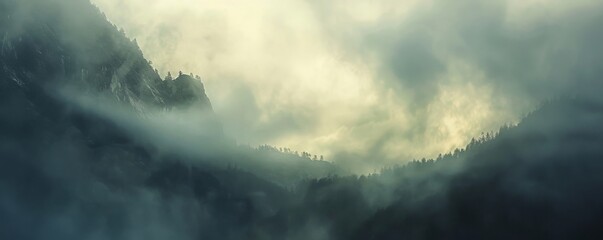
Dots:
(94, 144)
(537, 180)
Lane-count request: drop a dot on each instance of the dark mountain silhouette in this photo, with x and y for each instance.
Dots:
(185, 90)
(72, 171)
(538, 180)
(80, 159)
(56, 42)
(56, 52)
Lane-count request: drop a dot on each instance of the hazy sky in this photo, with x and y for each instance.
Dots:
(370, 81)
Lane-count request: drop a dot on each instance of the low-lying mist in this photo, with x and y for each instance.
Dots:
(96, 144)
(374, 84)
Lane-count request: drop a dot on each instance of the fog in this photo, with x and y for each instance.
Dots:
(386, 80)
(97, 144)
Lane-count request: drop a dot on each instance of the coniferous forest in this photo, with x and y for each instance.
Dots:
(96, 144)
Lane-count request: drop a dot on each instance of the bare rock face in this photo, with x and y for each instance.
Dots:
(58, 43)
(185, 91)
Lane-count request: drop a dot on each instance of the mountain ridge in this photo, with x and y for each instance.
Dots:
(75, 165)
(118, 67)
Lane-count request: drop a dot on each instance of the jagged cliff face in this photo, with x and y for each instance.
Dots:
(70, 172)
(54, 52)
(184, 91)
(50, 44)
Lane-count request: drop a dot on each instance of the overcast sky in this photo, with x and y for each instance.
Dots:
(370, 82)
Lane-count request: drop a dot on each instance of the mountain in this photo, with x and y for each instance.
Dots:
(80, 112)
(69, 43)
(65, 67)
(537, 180)
(185, 90)
(94, 144)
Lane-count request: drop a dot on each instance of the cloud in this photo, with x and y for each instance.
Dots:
(384, 81)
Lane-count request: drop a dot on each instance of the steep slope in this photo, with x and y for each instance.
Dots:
(62, 61)
(95, 145)
(185, 91)
(59, 43)
(70, 172)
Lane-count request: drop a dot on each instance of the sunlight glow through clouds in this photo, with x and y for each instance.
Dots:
(383, 79)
